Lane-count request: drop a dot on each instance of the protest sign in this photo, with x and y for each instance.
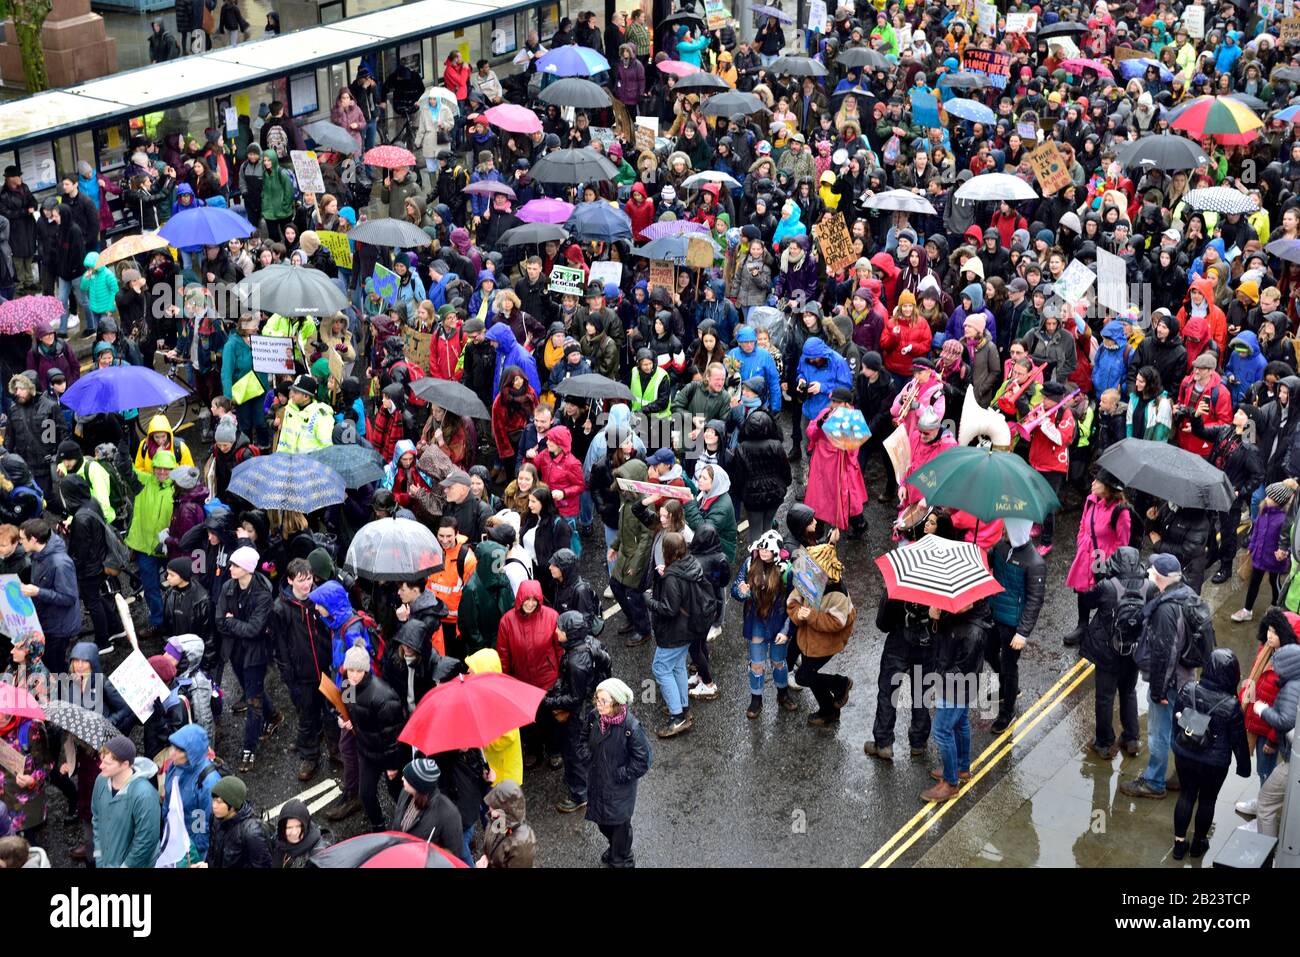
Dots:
(1028, 130)
(333, 696)
(416, 345)
(1290, 30)
(337, 244)
(1049, 168)
(986, 18)
(604, 135)
(809, 578)
(605, 272)
(138, 684)
(716, 13)
(1112, 281)
(925, 109)
(385, 284)
(306, 169)
(1194, 20)
(566, 280)
(1129, 53)
(647, 130)
(833, 240)
(662, 273)
(993, 62)
(816, 16)
(17, 612)
(11, 759)
(273, 354)
(1022, 22)
(1074, 282)
(899, 449)
(679, 492)
(699, 254)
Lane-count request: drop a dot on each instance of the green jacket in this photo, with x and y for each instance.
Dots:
(626, 174)
(696, 399)
(486, 598)
(721, 514)
(237, 362)
(127, 824)
(100, 285)
(634, 540)
(152, 513)
(277, 191)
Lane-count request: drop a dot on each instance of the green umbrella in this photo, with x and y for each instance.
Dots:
(985, 483)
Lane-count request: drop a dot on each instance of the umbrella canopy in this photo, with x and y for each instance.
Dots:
(452, 396)
(1169, 473)
(599, 222)
(19, 701)
(762, 10)
(864, 57)
(394, 233)
(357, 465)
(1290, 115)
(1163, 151)
(577, 92)
(985, 483)
(701, 82)
(1077, 65)
(734, 101)
(284, 480)
(593, 385)
(205, 226)
(1253, 102)
(545, 210)
(680, 17)
(470, 711)
(677, 68)
(1228, 121)
(486, 187)
(1288, 250)
(331, 136)
(22, 314)
(533, 233)
(516, 119)
(394, 550)
(1220, 199)
(900, 200)
(1138, 68)
(970, 110)
(292, 291)
(674, 227)
(572, 61)
(797, 66)
(388, 157)
(939, 572)
(119, 388)
(990, 186)
(1063, 28)
(387, 849)
(966, 81)
(128, 247)
(85, 725)
(1286, 74)
(573, 166)
(672, 248)
(697, 180)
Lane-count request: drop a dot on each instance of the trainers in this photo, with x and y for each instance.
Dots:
(570, 806)
(273, 725)
(246, 761)
(1248, 808)
(609, 593)
(704, 692)
(693, 680)
(675, 727)
(714, 632)
(791, 683)
(1141, 788)
(1242, 614)
(885, 752)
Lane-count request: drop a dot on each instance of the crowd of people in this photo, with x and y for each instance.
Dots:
(733, 370)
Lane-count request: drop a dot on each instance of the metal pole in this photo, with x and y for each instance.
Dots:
(745, 20)
(1288, 842)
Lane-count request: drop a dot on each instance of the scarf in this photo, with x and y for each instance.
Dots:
(608, 721)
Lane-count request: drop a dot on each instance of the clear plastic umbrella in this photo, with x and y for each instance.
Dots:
(995, 186)
(394, 549)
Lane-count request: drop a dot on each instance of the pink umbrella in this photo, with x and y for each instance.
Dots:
(516, 119)
(389, 157)
(677, 68)
(18, 701)
(546, 210)
(22, 314)
(674, 227)
(1077, 66)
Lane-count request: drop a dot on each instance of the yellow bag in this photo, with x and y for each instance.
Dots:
(249, 387)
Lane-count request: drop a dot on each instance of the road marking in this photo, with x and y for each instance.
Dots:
(920, 815)
(319, 805)
(305, 796)
(616, 609)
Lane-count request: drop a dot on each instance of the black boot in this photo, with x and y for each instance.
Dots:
(1074, 637)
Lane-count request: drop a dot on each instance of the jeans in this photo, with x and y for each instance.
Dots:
(64, 293)
(1256, 498)
(150, 572)
(952, 735)
(632, 601)
(1160, 729)
(669, 669)
(610, 535)
(767, 59)
(1109, 684)
(586, 510)
(261, 709)
(762, 650)
(901, 657)
(1264, 762)
(467, 853)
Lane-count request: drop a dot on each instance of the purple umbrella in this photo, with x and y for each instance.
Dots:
(22, 314)
(486, 187)
(119, 388)
(673, 227)
(545, 210)
(761, 10)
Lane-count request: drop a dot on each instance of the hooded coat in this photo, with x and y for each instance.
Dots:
(195, 783)
(277, 190)
(836, 490)
(669, 606)
(835, 372)
(126, 823)
(562, 471)
(526, 642)
(286, 856)
(760, 470)
(508, 840)
(505, 755)
(511, 353)
(1215, 693)
(1110, 365)
(1245, 364)
(633, 541)
(1168, 357)
(1123, 571)
(715, 508)
(486, 598)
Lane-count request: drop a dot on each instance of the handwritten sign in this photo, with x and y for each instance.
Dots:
(566, 280)
(1049, 168)
(679, 492)
(699, 253)
(1074, 282)
(647, 129)
(138, 684)
(1194, 20)
(1112, 281)
(306, 169)
(1022, 22)
(1290, 30)
(605, 272)
(899, 449)
(833, 240)
(1027, 130)
(273, 354)
(925, 108)
(662, 273)
(11, 759)
(986, 18)
(337, 244)
(416, 346)
(993, 62)
(816, 16)
(809, 578)
(716, 13)
(385, 284)
(18, 617)
(1129, 53)
(604, 135)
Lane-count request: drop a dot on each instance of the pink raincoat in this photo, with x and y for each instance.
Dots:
(1092, 552)
(836, 492)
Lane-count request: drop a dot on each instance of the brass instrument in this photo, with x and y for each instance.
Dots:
(909, 396)
(1007, 404)
(1042, 417)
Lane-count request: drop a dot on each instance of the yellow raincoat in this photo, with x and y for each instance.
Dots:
(505, 755)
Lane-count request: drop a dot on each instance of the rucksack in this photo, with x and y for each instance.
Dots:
(602, 666)
(375, 635)
(118, 557)
(1198, 631)
(1127, 622)
(701, 607)
(1196, 727)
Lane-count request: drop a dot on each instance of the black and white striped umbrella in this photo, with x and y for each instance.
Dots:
(1220, 199)
(937, 571)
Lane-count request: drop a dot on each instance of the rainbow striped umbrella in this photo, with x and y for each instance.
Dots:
(1228, 121)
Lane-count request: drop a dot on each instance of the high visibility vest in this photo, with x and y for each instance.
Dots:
(642, 397)
(306, 429)
(449, 581)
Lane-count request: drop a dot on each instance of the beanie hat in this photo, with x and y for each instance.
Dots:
(907, 297)
(227, 429)
(163, 667)
(186, 477)
(1250, 289)
(873, 361)
(357, 659)
(842, 394)
(1166, 564)
(121, 748)
(422, 774)
(616, 689)
(183, 567)
(1280, 493)
(246, 557)
(977, 320)
(231, 790)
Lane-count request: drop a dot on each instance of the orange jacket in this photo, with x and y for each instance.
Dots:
(449, 581)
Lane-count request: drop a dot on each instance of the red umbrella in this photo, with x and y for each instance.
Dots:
(516, 119)
(389, 157)
(470, 712)
(22, 314)
(677, 68)
(16, 700)
(1077, 65)
(385, 849)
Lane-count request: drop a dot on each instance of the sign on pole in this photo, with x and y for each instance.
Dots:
(605, 272)
(306, 169)
(273, 354)
(699, 253)
(662, 273)
(1049, 168)
(833, 240)
(566, 280)
(647, 128)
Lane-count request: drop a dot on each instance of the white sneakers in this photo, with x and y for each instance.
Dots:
(714, 632)
(692, 681)
(706, 692)
(609, 593)
(1248, 808)
(1242, 614)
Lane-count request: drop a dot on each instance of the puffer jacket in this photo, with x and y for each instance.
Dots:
(377, 720)
(760, 472)
(573, 593)
(1281, 716)
(669, 607)
(576, 683)
(751, 287)
(633, 541)
(1125, 572)
(617, 757)
(413, 680)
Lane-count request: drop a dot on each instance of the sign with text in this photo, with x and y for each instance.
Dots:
(647, 129)
(1074, 282)
(925, 108)
(138, 684)
(17, 612)
(416, 346)
(986, 18)
(1129, 53)
(1112, 281)
(816, 16)
(337, 244)
(566, 280)
(716, 13)
(809, 578)
(273, 354)
(1022, 22)
(1049, 168)
(833, 240)
(662, 273)
(1194, 20)
(1290, 30)
(306, 169)
(679, 492)
(993, 62)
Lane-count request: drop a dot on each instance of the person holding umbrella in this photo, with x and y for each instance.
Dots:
(617, 752)
(1022, 573)
(1103, 528)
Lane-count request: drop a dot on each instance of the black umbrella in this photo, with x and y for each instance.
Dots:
(577, 92)
(292, 291)
(359, 466)
(796, 66)
(594, 386)
(1169, 473)
(1287, 74)
(681, 17)
(1062, 29)
(533, 233)
(1162, 150)
(701, 83)
(727, 104)
(1254, 102)
(573, 166)
(863, 56)
(966, 81)
(452, 396)
(394, 233)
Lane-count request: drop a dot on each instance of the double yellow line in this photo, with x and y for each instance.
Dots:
(1001, 746)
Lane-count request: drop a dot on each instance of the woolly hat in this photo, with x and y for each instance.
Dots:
(616, 689)
(231, 790)
(186, 476)
(121, 748)
(246, 557)
(322, 566)
(1250, 289)
(356, 659)
(163, 667)
(977, 320)
(422, 774)
(181, 566)
(227, 429)
(827, 561)
(1280, 493)
(907, 297)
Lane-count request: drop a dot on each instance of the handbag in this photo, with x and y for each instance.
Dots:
(247, 388)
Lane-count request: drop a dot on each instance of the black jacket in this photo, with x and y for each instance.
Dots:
(188, 611)
(573, 593)
(959, 643)
(671, 627)
(1183, 534)
(85, 214)
(576, 683)
(760, 472)
(616, 759)
(534, 299)
(463, 781)
(471, 517)
(239, 842)
(438, 823)
(1163, 638)
(1126, 572)
(242, 619)
(87, 542)
(377, 720)
(302, 640)
(1235, 455)
(28, 430)
(1168, 357)
(604, 490)
(1215, 694)
(430, 668)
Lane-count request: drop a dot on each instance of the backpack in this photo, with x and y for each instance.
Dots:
(1127, 621)
(118, 557)
(1196, 727)
(602, 666)
(373, 633)
(701, 607)
(1198, 629)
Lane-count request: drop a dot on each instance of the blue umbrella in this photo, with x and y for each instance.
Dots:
(572, 61)
(599, 222)
(121, 388)
(1287, 250)
(969, 110)
(205, 226)
(1138, 67)
(672, 248)
(295, 483)
(761, 10)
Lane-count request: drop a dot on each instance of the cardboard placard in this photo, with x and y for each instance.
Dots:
(11, 759)
(647, 130)
(1290, 30)
(833, 240)
(679, 492)
(306, 169)
(1049, 168)
(1128, 53)
(338, 245)
(605, 272)
(138, 684)
(810, 579)
(385, 284)
(662, 273)
(716, 14)
(699, 253)
(333, 696)
(1112, 281)
(816, 16)
(417, 346)
(993, 62)
(925, 108)
(899, 449)
(1074, 282)
(1022, 23)
(566, 280)
(18, 617)
(1194, 20)
(273, 354)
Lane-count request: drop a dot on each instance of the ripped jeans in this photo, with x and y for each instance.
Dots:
(762, 650)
